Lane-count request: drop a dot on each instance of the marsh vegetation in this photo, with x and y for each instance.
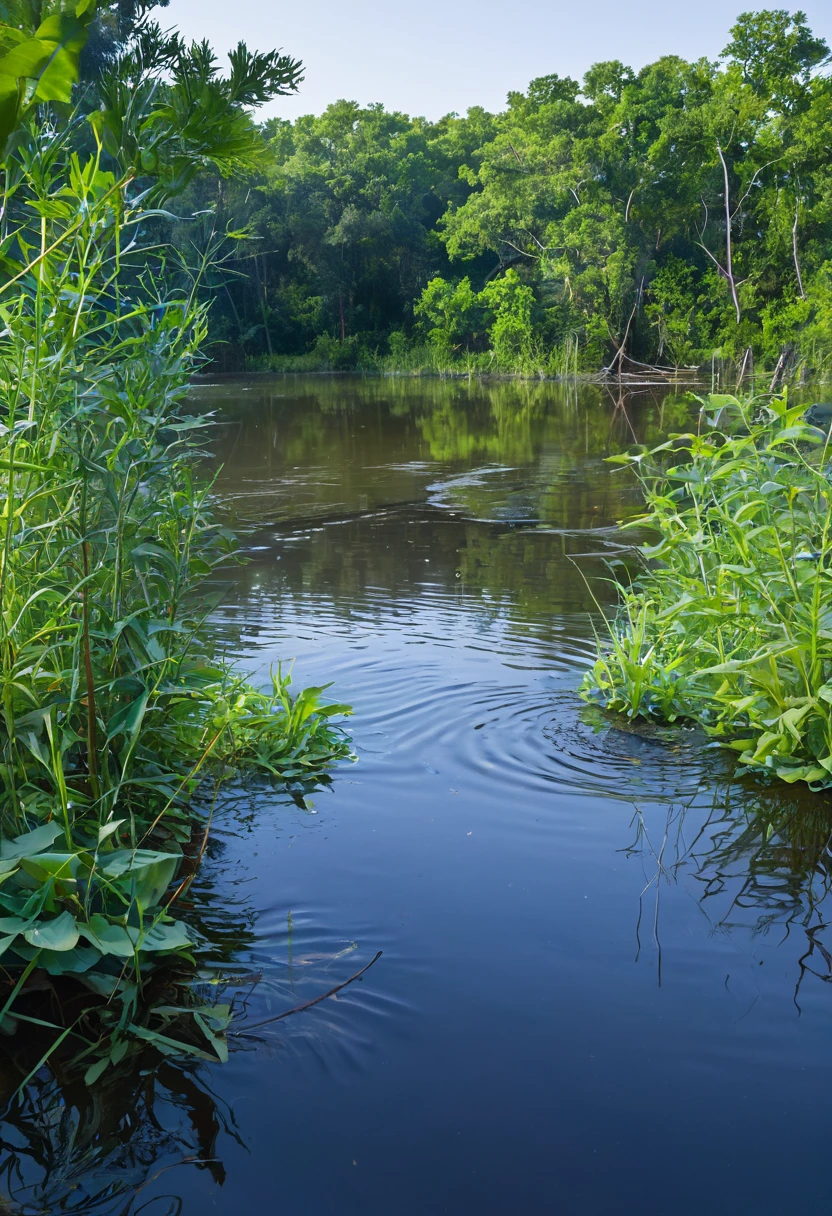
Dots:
(117, 715)
(730, 623)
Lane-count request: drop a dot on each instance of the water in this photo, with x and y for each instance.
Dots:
(604, 980)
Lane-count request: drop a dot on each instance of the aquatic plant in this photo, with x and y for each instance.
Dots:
(730, 622)
(113, 707)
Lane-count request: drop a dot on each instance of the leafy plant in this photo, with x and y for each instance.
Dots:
(730, 624)
(41, 66)
(113, 708)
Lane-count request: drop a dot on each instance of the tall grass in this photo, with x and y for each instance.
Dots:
(730, 623)
(406, 358)
(113, 707)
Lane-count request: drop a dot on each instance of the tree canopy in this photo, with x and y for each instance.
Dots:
(662, 216)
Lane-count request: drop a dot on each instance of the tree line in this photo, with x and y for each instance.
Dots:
(668, 216)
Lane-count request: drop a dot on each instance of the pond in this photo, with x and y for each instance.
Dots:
(604, 983)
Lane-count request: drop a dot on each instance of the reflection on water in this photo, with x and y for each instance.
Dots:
(757, 864)
(311, 447)
(604, 960)
(67, 1148)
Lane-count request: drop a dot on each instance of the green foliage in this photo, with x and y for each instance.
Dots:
(498, 323)
(166, 112)
(452, 312)
(730, 625)
(510, 303)
(41, 66)
(289, 737)
(660, 216)
(113, 709)
(112, 706)
(341, 228)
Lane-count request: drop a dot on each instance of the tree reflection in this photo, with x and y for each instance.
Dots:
(292, 449)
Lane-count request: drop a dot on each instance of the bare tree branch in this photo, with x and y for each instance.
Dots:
(627, 208)
(522, 252)
(619, 355)
(751, 183)
(718, 265)
(794, 247)
(532, 237)
(729, 272)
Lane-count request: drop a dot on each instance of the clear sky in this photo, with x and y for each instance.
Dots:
(432, 56)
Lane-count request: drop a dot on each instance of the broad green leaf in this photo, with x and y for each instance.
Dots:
(217, 1042)
(10, 97)
(109, 939)
(167, 937)
(13, 924)
(64, 962)
(123, 942)
(95, 1070)
(808, 772)
(101, 985)
(792, 718)
(58, 934)
(27, 59)
(66, 867)
(107, 829)
(147, 873)
(128, 718)
(31, 842)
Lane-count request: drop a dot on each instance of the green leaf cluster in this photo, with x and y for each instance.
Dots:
(730, 625)
(114, 709)
(674, 216)
(41, 66)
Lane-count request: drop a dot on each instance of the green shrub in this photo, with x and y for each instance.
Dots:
(730, 624)
(112, 706)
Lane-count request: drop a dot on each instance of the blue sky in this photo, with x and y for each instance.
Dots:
(434, 56)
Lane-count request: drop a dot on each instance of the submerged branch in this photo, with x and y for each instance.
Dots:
(308, 1004)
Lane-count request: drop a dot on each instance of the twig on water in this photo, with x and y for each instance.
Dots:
(308, 1004)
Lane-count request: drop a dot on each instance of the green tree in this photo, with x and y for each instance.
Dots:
(452, 314)
(659, 215)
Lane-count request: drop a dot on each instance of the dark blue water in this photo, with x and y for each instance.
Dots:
(604, 985)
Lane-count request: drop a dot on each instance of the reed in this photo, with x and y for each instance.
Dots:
(114, 708)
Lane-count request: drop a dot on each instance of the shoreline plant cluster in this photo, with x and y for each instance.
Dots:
(115, 710)
(729, 624)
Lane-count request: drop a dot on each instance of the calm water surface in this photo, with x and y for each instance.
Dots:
(604, 985)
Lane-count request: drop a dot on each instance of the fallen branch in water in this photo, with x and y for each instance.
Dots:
(308, 1004)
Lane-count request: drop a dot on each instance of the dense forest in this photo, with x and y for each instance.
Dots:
(671, 216)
